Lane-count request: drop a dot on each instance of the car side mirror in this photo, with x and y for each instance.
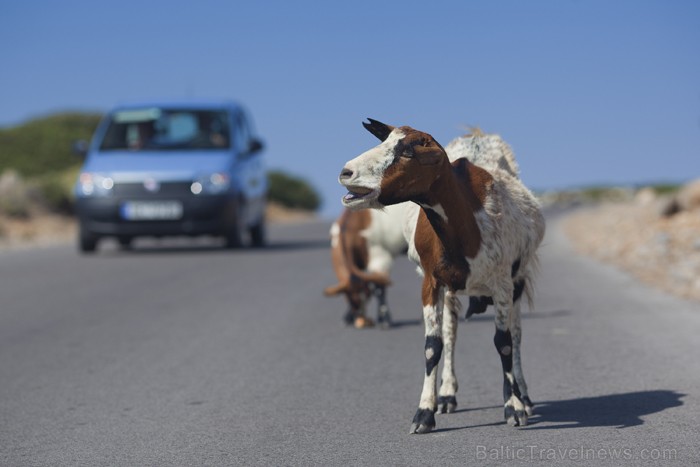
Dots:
(80, 148)
(255, 145)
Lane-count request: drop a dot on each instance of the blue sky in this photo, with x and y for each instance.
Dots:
(586, 92)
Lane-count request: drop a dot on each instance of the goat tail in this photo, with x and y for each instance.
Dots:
(378, 278)
(335, 289)
(531, 273)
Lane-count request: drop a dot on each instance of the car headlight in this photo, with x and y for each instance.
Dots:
(211, 184)
(92, 184)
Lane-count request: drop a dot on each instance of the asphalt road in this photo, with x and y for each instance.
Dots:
(184, 354)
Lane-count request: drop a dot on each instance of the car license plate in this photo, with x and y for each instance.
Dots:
(151, 210)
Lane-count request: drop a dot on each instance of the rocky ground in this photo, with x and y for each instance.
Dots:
(38, 230)
(654, 238)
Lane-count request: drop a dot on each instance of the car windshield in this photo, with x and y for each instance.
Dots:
(167, 129)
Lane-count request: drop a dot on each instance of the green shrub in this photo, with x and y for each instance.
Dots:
(15, 206)
(45, 144)
(666, 188)
(292, 192)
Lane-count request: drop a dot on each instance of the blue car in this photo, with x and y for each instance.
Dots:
(176, 168)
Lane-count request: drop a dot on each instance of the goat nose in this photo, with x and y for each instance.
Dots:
(345, 173)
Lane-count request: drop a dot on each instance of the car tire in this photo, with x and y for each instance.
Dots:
(233, 236)
(87, 242)
(258, 235)
(125, 242)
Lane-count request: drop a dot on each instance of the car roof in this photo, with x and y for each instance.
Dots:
(186, 103)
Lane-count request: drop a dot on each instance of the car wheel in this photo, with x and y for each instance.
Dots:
(125, 242)
(233, 239)
(87, 242)
(257, 235)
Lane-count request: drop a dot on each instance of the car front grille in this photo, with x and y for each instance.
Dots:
(164, 189)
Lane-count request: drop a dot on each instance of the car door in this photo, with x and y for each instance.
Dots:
(252, 171)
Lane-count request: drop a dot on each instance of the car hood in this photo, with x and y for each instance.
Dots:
(133, 166)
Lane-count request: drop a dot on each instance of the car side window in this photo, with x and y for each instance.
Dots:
(241, 134)
(245, 133)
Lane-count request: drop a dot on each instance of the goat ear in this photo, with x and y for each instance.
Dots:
(378, 129)
(430, 153)
(429, 156)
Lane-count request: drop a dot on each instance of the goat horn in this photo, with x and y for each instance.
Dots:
(378, 129)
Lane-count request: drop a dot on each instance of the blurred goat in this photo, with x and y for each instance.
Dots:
(363, 247)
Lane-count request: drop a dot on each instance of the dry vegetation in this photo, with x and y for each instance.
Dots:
(26, 219)
(41, 229)
(655, 238)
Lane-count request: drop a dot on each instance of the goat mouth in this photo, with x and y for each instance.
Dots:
(357, 193)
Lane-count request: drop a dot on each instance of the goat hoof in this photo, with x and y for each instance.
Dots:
(349, 318)
(447, 404)
(515, 412)
(423, 422)
(528, 405)
(361, 322)
(384, 320)
(420, 429)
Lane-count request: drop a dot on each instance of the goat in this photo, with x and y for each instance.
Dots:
(363, 246)
(490, 152)
(472, 231)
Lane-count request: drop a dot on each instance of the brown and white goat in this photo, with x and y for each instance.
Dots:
(473, 231)
(364, 244)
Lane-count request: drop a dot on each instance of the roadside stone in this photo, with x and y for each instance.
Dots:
(645, 197)
(14, 198)
(689, 196)
(687, 199)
